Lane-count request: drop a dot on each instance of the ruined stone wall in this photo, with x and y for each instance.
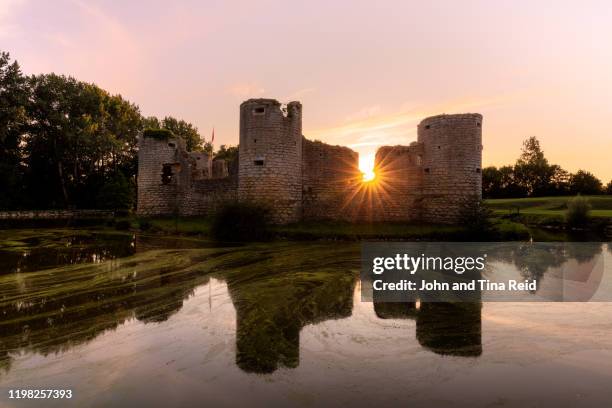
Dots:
(452, 163)
(399, 183)
(173, 181)
(158, 169)
(204, 197)
(270, 169)
(330, 176)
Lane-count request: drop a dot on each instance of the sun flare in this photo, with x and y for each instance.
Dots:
(366, 166)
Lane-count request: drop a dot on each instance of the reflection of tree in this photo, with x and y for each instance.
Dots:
(38, 253)
(275, 300)
(52, 310)
(534, 260)
(276, 291)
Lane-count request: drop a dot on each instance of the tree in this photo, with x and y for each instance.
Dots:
(151, 122)
(227, 153)
(585, 183)
(500, 183)
(13, 99)
(559, 182)
(532, 171)
(116, 194)
(186, 131)
(78, 135)
(608, 189)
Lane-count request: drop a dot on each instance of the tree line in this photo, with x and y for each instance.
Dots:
(65, 143)
(533, 176)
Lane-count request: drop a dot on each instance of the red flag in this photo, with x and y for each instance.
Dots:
(212, 139)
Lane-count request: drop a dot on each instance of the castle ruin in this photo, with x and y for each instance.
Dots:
(431, 180)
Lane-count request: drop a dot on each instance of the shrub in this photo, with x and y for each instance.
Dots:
(238, 221)
(159, 134)
(578, 212)
(476, 218)
(144, 224)
(123, 225)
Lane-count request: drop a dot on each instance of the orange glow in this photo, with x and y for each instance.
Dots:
(366, 166)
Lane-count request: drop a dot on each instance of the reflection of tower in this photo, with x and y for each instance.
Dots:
(270, 167)
(270, 315)
(395, 310)
(444, 328)
(450, 328)
(263, 342)
(452, 161)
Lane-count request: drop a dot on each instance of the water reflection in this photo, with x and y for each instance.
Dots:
(276, 290)
(444, 328)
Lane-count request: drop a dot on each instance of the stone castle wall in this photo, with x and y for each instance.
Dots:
(399, 174)
(452, 165)
(158, 164)
(173, 181)
(430, 180)
(330, 174)
(270, 150)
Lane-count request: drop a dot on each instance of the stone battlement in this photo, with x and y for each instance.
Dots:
(429, 180)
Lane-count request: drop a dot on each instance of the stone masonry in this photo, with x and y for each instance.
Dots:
(430, 180)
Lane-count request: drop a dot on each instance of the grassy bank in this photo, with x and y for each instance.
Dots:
(328, 230)
(549, 210)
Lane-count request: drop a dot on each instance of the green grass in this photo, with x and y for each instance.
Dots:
(548, 208)
(181, 225)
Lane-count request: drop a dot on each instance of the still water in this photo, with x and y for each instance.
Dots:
(128, 320)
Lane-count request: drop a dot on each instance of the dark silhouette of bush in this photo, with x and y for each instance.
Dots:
(159, 134)
(144, 224)
(475, 217)
(238, 221)
(123, 225)
(578, 212)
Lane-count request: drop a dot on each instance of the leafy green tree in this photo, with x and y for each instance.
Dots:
(117, 193)
(584, 182)
(608, 188)
(180, 128)
(227, 153)
(532, 171)
(77, 136)
(189, 133)
(500, 183)
(151, 122)
(13, 99)
(559, 182)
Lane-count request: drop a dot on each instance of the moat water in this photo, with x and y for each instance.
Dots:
(126, 320)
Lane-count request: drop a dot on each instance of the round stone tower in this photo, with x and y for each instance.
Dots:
(452, 165)
(270, 165)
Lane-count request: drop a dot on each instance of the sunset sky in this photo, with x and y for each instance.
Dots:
(367, 72)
